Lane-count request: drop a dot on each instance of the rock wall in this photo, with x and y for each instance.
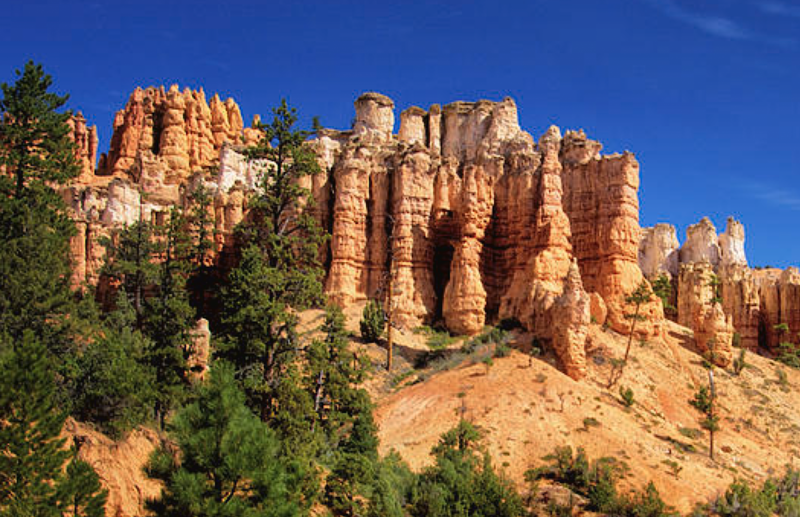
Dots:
(602, 204)
(753, 300)
(86, 142)
(469, 218)
(165, 143)
(180, 128)
(119, 465)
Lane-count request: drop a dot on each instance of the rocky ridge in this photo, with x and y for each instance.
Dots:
(717, 293)
(475, 219)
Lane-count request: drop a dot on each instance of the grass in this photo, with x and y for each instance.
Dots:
(690, 432)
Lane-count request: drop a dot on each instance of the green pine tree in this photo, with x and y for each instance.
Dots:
(333, 375)
(32, 453)
(81, 494)
(36, 154)
(169, 317)
(35, 147)
(229, 460)
(462, 482)
(203, 281)
(113, 386)
(130, 262)
(350, 484)
(280, 266)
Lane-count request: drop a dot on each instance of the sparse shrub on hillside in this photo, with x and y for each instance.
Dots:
(783, 379)
(492, 335)
(740, 362)
(502, 350)
(373, 322)
(627, 396)
(436, 339)
(777, 496)
(637, 298)
(704, 402)
(675, 468)
(597, 481)
(662, 288)
(488, 362)
(789, 354)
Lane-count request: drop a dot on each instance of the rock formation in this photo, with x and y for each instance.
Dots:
(659, 251)
(119, 465)
(180, 128)
(780, 304)
(86, 142)
(754, 300)
(713, 332)
(466, 215)
(601, 202)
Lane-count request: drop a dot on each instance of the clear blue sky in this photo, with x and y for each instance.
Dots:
(707, 94)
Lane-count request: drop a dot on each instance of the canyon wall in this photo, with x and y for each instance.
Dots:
(469, 217)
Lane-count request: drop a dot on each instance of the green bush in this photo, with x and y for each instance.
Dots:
(740, 362)
(627, 396)
(373, 322)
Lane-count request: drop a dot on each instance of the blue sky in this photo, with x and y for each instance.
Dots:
(707, 94)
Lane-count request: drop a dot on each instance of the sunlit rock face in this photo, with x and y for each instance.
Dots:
(475, 219)
(713, 266)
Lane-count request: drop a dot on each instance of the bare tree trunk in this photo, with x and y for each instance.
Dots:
(713, 389)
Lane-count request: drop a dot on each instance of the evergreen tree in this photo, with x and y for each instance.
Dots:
(169, 317)
(32, 454)
(35, 147)
(113, 386)
(662, 288)
(462, 482)
(229, 460)
(373, 322)
(202, 282)
(333, 375)
(81, 494)
(350, 483)
(637, 298)
(152, 264)
(280, 266)
(259, 335)
(130, 262)
(36, 153)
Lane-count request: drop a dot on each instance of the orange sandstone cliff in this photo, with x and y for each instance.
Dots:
(475, 219)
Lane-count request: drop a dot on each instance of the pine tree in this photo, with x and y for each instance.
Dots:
(373, 322)
(130, 262)
(112, 386)
(350, 484)
(81, 494)
(280, 266)
(169, 317)
(229, 460)
(36, 153)
(202, 282)
(637, 298)
(333, 375)
(462, 482)
(35, 147)
(32, 453)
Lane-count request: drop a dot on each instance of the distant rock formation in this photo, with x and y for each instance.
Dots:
(755, 301)
(476, 220)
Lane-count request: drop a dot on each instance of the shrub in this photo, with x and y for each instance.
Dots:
(627, 396)
(373, 322)
(740, 362)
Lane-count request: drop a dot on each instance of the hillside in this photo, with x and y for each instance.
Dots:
(528, 408)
